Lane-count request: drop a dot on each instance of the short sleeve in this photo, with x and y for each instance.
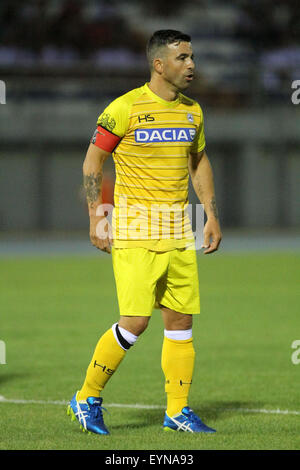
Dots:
(115, 117)
(199, 140)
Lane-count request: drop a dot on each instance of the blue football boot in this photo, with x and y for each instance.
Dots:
(186, 421)
(88, 413)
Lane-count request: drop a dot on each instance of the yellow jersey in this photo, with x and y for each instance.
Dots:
(151, 163)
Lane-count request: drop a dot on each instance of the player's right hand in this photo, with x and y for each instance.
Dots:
(101, 233)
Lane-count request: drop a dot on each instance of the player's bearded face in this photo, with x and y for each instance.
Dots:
(178, 65)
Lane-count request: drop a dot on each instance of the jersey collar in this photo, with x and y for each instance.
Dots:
(170, 104)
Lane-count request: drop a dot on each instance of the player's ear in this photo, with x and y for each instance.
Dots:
(158, 66)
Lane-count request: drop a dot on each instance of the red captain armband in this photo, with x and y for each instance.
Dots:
(104, 139)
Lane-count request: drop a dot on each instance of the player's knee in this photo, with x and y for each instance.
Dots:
(141, 325)
(176, 321)
(184, 323)
(135, 324)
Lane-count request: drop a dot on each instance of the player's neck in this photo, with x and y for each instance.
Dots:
(163, 89)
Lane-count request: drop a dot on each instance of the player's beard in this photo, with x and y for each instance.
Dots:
(183, 84)
(180, 84)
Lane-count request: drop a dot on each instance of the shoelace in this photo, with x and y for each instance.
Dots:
(96, 410)
(193, 417)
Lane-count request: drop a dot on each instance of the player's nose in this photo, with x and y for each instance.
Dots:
(191, 65)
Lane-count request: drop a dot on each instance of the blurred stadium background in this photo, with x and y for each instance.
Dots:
(63, 61)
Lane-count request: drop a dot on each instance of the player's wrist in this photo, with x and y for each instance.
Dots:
(212, 217)
(211, 210)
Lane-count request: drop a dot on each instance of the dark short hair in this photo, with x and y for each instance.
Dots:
(161, 38)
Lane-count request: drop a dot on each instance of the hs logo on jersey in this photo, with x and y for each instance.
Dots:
(145, 117)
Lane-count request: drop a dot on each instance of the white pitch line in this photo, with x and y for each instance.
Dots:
(63, 402)
(144, 407)
(264, 410)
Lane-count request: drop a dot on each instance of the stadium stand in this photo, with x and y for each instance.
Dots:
(241, 48)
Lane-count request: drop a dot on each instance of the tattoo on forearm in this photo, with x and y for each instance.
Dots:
(213, 207)
(199, 190)
(92, 185)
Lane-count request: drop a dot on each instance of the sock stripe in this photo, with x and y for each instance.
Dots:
(178, 335)
(121, 339)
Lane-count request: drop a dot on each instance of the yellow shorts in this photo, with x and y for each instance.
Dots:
(146, 279)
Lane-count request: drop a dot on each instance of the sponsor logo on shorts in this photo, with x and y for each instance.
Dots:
(175, 134)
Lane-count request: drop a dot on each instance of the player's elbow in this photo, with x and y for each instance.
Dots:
(194, 160)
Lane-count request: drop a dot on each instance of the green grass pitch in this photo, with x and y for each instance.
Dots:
(54, 309)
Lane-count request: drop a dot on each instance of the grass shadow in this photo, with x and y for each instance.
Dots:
(139, 419)
(210, 411)
(219, 410)
(11, 377)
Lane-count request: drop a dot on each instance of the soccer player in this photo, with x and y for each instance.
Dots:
(156, 136)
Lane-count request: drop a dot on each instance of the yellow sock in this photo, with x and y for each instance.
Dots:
(178, 357)
(107, 357)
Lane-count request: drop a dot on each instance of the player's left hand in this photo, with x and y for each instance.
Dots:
(212, 236)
